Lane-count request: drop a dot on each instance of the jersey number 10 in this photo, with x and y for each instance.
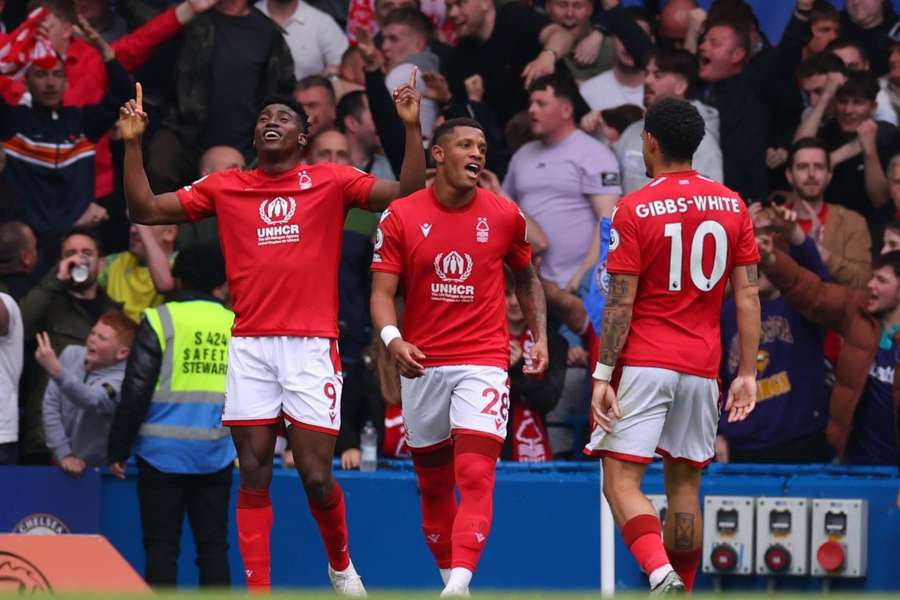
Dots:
(700, 279)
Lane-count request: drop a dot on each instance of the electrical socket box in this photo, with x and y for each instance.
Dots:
(839, 537)
(728, 535)
(660, 505)
(782, 536)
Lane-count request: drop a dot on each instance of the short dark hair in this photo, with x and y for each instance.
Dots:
(86, 232)
(677, 126)
(447, 128)
(808, 143)
(677, 61)
(820, 63)
(352, 104)
(291, 104)
(841, 43)
(890, 259)
(741, 29)
(312, 81)
(413, 18)
(823, 11)
(564, 87)
(859, 84)
(12, 241)
(620, 117)
(893, 225)
(200, 267)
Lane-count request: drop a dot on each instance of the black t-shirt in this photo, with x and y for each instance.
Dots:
(500, 60)
(237, 73)
(875, 41)
(94, 307)
(848, 186)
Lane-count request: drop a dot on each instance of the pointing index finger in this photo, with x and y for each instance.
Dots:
(139, 96)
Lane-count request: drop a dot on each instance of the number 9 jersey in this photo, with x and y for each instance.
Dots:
(682, 234)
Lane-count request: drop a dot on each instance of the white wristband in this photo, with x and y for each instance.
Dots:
(388, 334)
(603, 372)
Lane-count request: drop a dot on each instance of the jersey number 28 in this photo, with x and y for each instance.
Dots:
(703, 282)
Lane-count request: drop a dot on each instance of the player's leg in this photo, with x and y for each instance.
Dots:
(688, 444)
(426, 414)
(310, 374)
(683, 530)
(255, 446)
(645, 395)
(479, 412)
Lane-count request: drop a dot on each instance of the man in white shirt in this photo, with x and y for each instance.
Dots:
(315, 40)
(11, 353)
(624, 83)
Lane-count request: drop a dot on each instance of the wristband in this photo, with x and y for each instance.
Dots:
(388, 334)
(551, 51)
(602, 372)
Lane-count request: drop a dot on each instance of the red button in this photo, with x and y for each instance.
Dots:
(831, 556)
(724, 558)
(778, 558)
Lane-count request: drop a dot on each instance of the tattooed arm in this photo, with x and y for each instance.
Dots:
(530, 294)
(742, 393)
(616, 322)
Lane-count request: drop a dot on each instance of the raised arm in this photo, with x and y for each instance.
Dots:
(412, 173)
(742, 392)
(144, 206)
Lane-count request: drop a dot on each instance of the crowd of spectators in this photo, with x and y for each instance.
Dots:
(803, 127)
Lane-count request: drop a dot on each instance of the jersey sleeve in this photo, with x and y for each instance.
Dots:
(624, 243)
(355, 185)
(746, 252)
(519, 255)
(388, 251)
(198, 199)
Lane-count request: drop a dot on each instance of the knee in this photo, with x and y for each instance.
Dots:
(318, 487)
(475, 475)
(616, 488)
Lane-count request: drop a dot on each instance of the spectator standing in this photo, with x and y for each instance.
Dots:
(594, 51)
(868, 22)
(865, 398)
(354, 119)
(841, 234)
(67, 310)
(231, 58)
(141, 276)
(11, 340)
(316, 95)
(565, 180)
(18, 258)
(83, 391)
(170, 418)
(314, 38)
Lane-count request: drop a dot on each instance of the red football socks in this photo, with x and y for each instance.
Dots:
(437, 499)
(643, 536)
(254, 524)
(331, 516)
(475, 463)
(685, 563)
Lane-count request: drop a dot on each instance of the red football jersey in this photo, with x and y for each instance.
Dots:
(682, 234)
(281, 237)
(450, 263)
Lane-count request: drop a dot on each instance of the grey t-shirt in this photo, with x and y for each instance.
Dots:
(551, 184)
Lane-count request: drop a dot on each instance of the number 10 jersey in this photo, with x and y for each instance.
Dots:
(682, 234)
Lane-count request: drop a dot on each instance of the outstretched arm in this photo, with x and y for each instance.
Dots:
(144, 206)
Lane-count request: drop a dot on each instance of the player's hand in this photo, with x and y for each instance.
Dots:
(741, 398)
(407, 100)
(544, 64)
(73, 466)
(118, 469)
(436, 87)
(604, 405)
(46, 356)
(132, 119)
(406, 356)
(351, 458)
(540, 358)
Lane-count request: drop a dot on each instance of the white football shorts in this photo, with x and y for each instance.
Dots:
(664, 412)
(452, 400)
(297, 379)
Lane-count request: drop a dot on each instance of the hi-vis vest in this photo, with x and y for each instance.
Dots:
(183, 431)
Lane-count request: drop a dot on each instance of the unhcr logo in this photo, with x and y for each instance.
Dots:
(276, 214)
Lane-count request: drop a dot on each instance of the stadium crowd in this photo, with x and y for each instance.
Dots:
(805, 130)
